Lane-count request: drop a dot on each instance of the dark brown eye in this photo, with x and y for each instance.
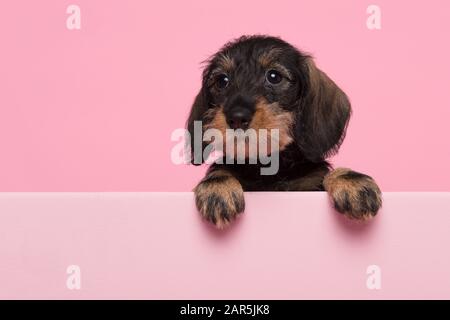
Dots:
(274, 77)
(222, 81)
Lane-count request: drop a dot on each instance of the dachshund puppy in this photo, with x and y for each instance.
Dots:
(263, 82)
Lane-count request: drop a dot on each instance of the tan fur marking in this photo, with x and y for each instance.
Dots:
(272, 116)
(267, 116)
(226, 62)
(218, 121)
(267, 58)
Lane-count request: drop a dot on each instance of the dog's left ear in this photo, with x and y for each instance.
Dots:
(323, 114)
(199, 107)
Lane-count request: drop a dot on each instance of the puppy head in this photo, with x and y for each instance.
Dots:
(262, 82)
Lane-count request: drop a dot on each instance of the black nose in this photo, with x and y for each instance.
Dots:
(239, 119)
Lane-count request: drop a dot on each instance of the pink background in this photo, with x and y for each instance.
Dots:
(287, 245)
(93, 109)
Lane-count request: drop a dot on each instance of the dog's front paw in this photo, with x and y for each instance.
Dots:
(220, 199)
(354, 194)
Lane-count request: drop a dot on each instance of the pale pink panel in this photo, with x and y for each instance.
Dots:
(155, 246)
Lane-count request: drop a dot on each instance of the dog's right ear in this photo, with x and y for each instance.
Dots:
(323, 114)
(198, 109)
